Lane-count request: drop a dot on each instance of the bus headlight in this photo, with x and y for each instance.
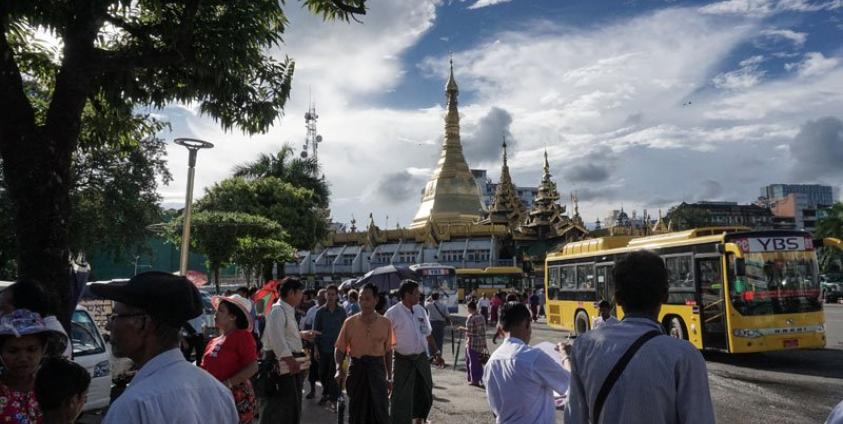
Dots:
(747, 332)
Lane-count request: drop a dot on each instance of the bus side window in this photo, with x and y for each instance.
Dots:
(680, 279)
(553, 282)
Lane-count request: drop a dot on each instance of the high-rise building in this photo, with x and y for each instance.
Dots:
(815, 194)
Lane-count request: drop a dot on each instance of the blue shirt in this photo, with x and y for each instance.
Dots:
(351, 308)
(520, 381)
(329, 324)
(836, 416)
(666, 382)
(168, 389)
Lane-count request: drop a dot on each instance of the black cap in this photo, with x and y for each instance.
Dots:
(171, 298)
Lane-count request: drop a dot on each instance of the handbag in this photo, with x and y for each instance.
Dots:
(265, 382)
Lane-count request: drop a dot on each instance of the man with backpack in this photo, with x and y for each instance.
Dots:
(631, 372)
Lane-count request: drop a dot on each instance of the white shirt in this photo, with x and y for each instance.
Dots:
(168, 389)
(483, 303)
(281, 334)
(410, 327)
(307, 321)
(836, 416)
(599, 321)
(666, 382)
(520, 381)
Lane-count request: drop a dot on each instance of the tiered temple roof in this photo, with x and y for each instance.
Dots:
(547, 218)
(507, 208)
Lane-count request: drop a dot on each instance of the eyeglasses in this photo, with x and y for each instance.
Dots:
(113, 317)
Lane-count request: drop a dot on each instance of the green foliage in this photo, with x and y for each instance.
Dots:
(831, 225)
(273, 199)
(217, 235)
(252, 252)
(688, 217)
(286, 166)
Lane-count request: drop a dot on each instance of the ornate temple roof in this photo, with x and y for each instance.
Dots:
(547, 218)
(506, 207)
(451, 196)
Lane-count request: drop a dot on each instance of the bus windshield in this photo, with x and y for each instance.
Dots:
(776, 283)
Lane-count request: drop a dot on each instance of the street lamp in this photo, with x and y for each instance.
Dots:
(193, 145)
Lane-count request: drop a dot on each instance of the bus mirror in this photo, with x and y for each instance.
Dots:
(733, 249)
(832, 242)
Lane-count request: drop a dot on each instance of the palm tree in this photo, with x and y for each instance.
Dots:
(284, 165)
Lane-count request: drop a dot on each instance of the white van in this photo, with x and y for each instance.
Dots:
(92, 352)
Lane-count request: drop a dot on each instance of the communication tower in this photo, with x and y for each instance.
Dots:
(312, 139)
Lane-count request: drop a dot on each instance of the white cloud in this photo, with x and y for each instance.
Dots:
(484, 3)
(764, 8)
(748, 76)
(797, 38)
(813, 64)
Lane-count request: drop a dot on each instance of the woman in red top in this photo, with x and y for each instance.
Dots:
(232, 357)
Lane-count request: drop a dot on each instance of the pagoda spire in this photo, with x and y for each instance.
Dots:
(451, 195)
(506, 205)
(547, 217)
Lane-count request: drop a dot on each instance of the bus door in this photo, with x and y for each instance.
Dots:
(606, 284)
(712, 302)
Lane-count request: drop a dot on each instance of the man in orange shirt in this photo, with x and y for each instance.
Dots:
(367, 338)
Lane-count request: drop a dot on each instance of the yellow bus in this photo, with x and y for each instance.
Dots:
(489, 280)
(731, 289)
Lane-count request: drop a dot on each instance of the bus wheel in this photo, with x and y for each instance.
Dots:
(675, 328)
(580, 323)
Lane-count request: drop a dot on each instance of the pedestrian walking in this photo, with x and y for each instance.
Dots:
(328, 322)
(604, 316)
(282, 342)
(23, 343)
(630, 372)
(149, 309)
(367, 339)
(307, 324)
(484, 305)
(517, 368)
(534, 305)
(351, 306)
(497, 301)
(412, 389)
(232, 357)
(439, 318)
(475, 345)
(61, 387)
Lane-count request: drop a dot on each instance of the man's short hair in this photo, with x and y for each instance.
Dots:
(243, 291)
(407, 286)
(472, 305)
(604, 304)
(640, 281)
(290, 285)
(435, 296)
(372, 289)
(57, 380)
(352, 295)
(332, 287)
(513, 314)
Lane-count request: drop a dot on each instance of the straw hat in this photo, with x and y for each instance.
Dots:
(245, 305)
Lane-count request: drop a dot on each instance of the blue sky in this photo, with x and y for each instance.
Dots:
(645, 103)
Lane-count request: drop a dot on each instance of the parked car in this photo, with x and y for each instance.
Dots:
(92, 352)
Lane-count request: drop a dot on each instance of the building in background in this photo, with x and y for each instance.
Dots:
(700, 214)
(814, 194)
(487, 190)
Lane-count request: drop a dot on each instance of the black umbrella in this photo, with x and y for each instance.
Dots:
(386, 278)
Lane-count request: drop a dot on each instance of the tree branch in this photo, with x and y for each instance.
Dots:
(357, 10)
(19, 115)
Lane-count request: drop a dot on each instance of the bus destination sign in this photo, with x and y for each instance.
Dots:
(775, 244)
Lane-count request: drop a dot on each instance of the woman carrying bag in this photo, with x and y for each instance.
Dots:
(232, 357)
(476, 352)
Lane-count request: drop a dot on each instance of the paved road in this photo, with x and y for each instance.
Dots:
(781, 387)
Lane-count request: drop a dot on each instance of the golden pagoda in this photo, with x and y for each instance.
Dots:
(506, 208)
(451, 196)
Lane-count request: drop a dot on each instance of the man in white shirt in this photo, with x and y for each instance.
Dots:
(439, 318)
(520, 380)
(605, 317)
(282, 340)
(148, 313)
(664, 382)
(412, 390)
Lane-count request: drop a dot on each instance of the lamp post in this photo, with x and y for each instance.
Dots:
(193, 145)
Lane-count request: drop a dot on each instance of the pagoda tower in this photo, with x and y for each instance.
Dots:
(546, 217)
(451, 196)
(506, 206)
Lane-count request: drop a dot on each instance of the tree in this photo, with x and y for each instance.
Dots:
(300, 172)
(831, 225)
(252, 252)
(685, 217)
(118, 55)
(217, 235)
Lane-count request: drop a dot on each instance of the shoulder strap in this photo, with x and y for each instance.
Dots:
(616, 372)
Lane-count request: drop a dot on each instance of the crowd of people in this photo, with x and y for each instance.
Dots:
(370, 351)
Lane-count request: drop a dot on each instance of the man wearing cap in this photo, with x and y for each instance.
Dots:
(282, 340)
(148, 312)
